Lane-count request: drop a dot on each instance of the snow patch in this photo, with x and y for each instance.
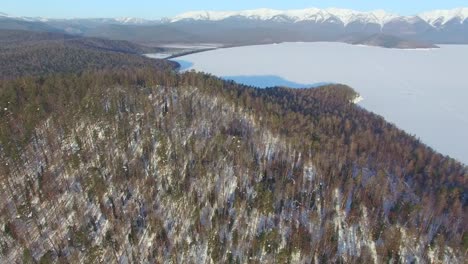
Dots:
(357, 99)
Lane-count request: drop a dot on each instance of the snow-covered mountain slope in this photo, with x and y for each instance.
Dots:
(346, 16)
(441, 17)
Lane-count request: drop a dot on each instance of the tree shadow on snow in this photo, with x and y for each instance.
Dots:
(265, 81)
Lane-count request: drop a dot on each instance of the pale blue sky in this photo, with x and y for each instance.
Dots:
(165, 8)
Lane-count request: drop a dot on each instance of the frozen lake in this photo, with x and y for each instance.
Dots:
(424, 92)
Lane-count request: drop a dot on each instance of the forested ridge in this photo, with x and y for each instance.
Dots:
(32, 53)
(17, 39)
(140, 164)
(201, 131)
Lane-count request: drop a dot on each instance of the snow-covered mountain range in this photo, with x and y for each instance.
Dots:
(310, 14)
(346, 16)
(435, 18)
(267, 26)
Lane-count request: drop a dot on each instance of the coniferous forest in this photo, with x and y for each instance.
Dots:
(110, 157)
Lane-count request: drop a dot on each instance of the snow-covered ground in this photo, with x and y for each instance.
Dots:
(176, 49)
(162, 55)
(424, 92)
(200, 46)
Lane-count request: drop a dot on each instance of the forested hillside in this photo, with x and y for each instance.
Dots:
(145, 165)
(14, 38)
(31, 53)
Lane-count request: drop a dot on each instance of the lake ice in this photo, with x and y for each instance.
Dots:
(424, 92)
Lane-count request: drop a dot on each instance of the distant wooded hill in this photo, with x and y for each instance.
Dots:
(39, 53)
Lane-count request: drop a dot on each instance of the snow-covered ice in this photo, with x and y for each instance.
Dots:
(423, 92)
